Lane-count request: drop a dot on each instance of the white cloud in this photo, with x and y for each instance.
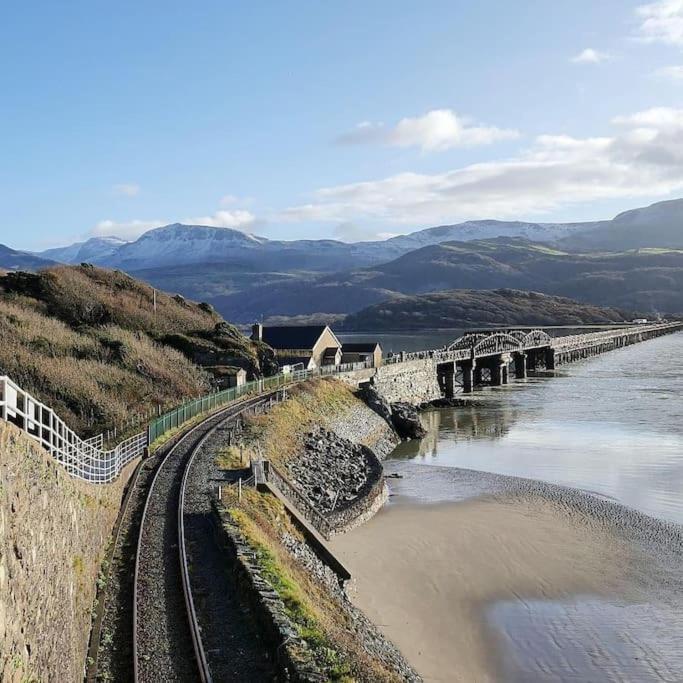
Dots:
(353, 232)
(674, 72)
(643, 158)
(590, 56)
(436, 130)
(127, 230)
(131, 230)
(224, 219)
(126, 189)
(661, 22)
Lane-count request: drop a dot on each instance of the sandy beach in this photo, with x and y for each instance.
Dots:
(443, 580)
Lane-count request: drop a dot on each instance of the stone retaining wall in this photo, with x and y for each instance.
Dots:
(279, 635)
(412, 382)
(54, 531)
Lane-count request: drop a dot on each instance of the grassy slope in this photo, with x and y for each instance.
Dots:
(467, 307)
(88, 342)
(314, 611)
(279, 433)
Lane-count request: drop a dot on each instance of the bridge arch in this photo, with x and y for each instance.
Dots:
(467, 341)
(536, 338)
(500, 342)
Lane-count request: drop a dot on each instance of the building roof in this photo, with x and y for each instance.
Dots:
(360, 347)
(292, 336)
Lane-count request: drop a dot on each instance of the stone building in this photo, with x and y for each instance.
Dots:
(311, 345)
(361, 352)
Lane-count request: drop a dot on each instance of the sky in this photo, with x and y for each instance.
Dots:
(348, 120)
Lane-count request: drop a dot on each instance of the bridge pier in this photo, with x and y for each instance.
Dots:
(468, 375)
(520, 359)
(499, 370)
(446, 374)
(549, 358)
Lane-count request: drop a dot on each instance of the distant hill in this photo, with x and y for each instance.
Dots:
(649, 280)
(10, 259)
(478, 308)
(98, 346)
(658, 225)
(94, 250)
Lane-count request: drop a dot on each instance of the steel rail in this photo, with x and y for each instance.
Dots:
(229, 411)
(95, 635)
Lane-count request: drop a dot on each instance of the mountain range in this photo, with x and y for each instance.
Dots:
(645, 279)
(613, 262)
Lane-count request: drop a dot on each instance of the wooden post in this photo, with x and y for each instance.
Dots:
(239, 494)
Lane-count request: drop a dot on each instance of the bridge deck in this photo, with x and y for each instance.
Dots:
(481, 344)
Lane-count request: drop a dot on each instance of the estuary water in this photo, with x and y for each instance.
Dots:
(539, 587)
(611, 425)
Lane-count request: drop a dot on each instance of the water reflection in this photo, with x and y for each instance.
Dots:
(478, 422)
(612, 425)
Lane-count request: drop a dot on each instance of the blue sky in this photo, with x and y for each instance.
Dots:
(339, 119)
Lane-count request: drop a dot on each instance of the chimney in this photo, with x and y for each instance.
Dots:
(257, 332)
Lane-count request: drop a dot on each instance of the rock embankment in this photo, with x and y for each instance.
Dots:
(402, 416)
(406, 421)
(332, 472)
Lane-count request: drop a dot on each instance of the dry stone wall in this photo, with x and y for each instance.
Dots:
(53, 534)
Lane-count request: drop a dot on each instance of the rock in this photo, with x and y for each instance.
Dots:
(376, 402)
(406, 421)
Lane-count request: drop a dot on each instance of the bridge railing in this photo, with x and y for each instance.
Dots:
(593, 338)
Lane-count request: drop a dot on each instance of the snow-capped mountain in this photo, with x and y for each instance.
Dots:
(179, 244)
(183, 245)
(487, 229)
(94, 250)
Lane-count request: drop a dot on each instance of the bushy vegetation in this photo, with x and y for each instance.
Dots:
(92, 344)
(469, 307)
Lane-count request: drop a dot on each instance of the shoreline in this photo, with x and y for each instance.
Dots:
(432, 573)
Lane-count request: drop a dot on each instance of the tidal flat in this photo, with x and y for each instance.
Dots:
(511, 579)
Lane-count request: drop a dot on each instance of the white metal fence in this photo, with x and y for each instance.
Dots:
(82, 458)
(86, 458)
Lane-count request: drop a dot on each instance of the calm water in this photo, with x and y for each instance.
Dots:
(611, 425)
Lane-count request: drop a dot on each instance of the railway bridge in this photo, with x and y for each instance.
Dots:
(492, 357)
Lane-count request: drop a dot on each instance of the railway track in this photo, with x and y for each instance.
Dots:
(167, 643)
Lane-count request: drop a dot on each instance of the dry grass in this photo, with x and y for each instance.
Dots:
(309, 404)
(90, 343)
(96, 378)
(313, 608)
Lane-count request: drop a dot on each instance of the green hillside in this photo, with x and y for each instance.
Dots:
(477, 308)
(649, 280)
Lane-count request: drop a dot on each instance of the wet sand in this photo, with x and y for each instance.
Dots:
(464, 588)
